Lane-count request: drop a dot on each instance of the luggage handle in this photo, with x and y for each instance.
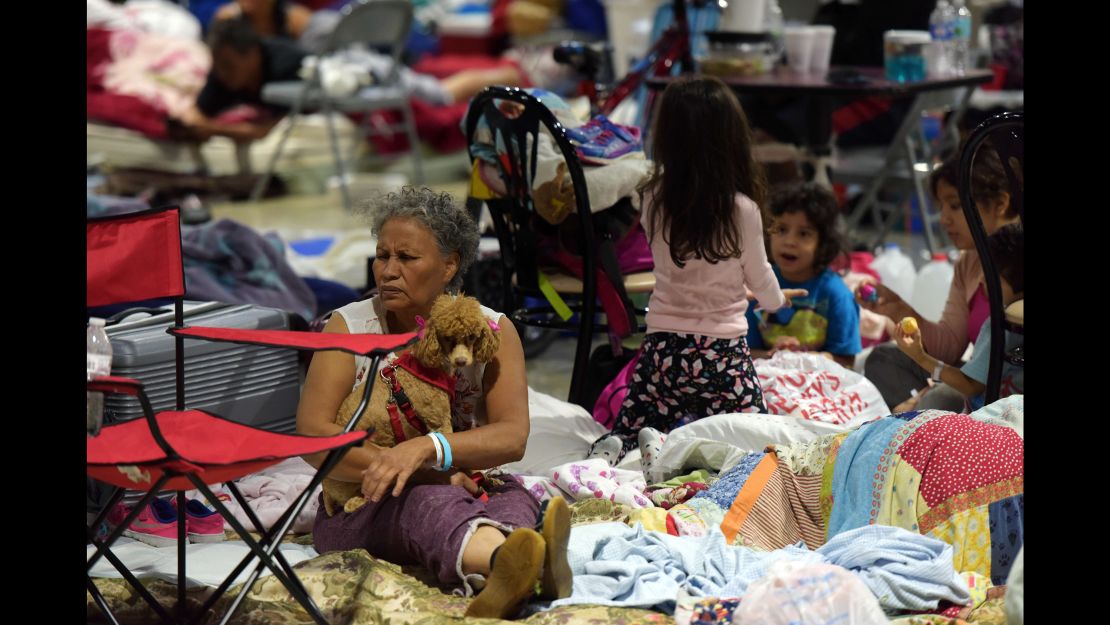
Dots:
(123, 314)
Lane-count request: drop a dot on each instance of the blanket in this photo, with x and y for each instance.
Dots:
(163, 72)
(354, 588)
(628, 566)
(941, 474)
(270, 492)
(226, 261)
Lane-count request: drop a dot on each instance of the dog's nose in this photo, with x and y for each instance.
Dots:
(461, 361)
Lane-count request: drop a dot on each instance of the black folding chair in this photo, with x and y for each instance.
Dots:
(1006, 133)
(515, 119)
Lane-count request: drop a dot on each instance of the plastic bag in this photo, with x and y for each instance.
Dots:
(816, 594)
(813, 387)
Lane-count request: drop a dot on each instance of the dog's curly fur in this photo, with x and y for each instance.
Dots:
(456, 335)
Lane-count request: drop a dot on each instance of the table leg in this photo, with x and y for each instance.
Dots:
(819, 138)
(901, 147)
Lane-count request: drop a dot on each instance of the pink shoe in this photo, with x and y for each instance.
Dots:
(156, 525)
(203, 524)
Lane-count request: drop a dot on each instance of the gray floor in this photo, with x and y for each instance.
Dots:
(550, 371)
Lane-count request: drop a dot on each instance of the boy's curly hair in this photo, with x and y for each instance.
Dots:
(819, 206)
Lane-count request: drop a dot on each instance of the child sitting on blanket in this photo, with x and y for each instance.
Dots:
(1007, 250)
(803, 240)
(701, 212)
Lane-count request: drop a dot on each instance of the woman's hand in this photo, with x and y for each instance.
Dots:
(393, 466)
(462, 479)
(889, 303)
(433, 477)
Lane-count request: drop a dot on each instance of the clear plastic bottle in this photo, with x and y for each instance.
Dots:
(98, 363)
(773, 24)
(941, 27)
(961, 37)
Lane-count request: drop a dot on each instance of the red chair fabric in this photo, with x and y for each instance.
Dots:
(358, 344)
(134, 257)
(221, 449)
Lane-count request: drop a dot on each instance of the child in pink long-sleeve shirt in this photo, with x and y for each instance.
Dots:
(702, 213)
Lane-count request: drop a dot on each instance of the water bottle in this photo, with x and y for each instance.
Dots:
(930, 289)
(773, 24)
(99, 363)
(961, 37)
(941, 25)
(896, 270)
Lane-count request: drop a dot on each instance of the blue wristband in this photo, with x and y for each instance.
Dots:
(446, 451)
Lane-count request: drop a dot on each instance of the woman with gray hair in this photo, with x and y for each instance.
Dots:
(425, 244)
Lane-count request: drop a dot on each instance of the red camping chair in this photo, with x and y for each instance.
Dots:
(138, 256)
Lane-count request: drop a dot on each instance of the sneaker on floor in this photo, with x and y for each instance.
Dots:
(202, 524)
(156, 525)
(651, 441)
(516, 569)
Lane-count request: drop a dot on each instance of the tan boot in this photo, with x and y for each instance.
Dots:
(557, 579)
(513, 578)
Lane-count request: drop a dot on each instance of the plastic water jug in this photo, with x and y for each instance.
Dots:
(930, 290)
(896, 270)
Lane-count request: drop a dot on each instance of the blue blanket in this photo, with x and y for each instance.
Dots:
(618, 565)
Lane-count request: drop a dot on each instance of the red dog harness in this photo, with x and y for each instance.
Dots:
(398, 398)
(399, 403)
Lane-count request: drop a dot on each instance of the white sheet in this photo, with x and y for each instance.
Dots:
(595, 479)
(306, 147)
(720, 441)
(206, 564)
(561, 432)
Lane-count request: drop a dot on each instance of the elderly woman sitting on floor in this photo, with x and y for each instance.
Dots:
(415, 514)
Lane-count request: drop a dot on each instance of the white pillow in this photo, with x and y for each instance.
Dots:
(561, 432)
(720, 441)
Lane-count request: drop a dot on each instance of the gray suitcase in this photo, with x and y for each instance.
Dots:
(249, 384)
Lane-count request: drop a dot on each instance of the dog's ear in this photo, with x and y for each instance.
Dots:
(428, 350)
(488, 343)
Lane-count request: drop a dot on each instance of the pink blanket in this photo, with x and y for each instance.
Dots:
(270, 492)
